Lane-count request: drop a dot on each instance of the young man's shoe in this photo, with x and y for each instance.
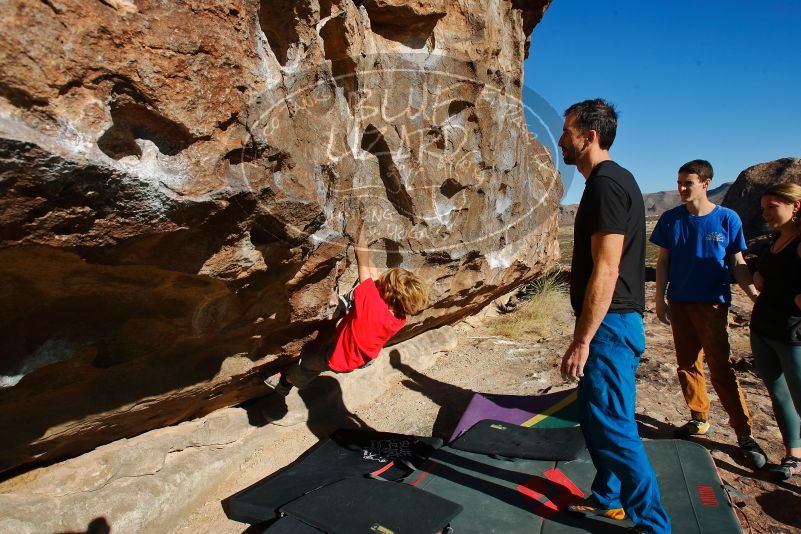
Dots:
(279, 383)
(591, 507)
(694, 427)
(790, 467)
(753, 453)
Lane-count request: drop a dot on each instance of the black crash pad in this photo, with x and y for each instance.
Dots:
(366, 505)
(290, 525)
(496, 438)
(347, 453)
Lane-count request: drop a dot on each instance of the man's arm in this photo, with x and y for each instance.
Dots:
(743, 276)
(364, 263)
(607, 249)
(662, 266)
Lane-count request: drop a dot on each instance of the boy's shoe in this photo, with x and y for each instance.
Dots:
(591, 507)
(694, 427)
(279, 383)
(790, 467)
(754, 454)
(637, 529)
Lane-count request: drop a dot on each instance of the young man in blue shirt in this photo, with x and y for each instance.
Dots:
(699, 242)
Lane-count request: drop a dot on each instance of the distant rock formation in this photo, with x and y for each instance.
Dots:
(567, 214)
(180, 183)
(745, 194)
(658, 203)
(655, 203)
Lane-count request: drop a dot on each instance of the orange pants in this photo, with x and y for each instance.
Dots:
(700, 332)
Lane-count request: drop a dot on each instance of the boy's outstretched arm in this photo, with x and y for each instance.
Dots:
(363, 262)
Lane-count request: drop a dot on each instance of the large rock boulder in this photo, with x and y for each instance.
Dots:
(180, 182)
(745, 194)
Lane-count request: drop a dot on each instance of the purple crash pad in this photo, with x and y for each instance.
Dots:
(551, 410)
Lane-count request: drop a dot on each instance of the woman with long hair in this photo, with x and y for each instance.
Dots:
(776, 319)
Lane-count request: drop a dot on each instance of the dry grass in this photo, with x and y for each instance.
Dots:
(651, 250)
(565, 237)
(539, 311)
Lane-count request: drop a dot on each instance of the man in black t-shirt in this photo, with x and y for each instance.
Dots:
(607, 291)
(611, 203)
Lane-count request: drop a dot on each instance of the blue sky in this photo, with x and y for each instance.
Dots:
(691, 79)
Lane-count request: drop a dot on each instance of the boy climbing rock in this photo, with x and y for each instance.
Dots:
(379, 308)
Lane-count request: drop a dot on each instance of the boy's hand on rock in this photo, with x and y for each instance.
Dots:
(354, 218)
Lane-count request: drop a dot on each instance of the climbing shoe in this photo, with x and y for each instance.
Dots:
(790, 467)
(753, 453)
(694, 427)
(591, 507)
(279, 383)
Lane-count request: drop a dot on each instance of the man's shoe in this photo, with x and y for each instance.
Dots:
(753, 453)
(590, 507)
(694, 427)
(790, 467)
(637, 529)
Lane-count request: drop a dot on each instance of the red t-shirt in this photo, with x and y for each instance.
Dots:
(364, 330)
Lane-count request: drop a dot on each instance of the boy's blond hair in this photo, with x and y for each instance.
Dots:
(403, 291)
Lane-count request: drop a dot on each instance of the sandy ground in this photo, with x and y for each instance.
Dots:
(432, 402)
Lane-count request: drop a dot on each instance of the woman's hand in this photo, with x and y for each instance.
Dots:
(759, 281)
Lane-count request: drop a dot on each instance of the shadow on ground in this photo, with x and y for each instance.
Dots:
(323, 401)
(98, 525)
(451, 399)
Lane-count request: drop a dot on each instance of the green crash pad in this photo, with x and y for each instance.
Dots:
(518, 495)
(366, 505)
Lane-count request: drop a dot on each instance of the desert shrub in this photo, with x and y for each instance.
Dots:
(541, 306)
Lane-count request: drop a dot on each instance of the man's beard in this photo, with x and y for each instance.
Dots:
(569, 157)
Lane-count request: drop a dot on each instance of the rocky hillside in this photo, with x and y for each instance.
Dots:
(180, 183)
(655, 203)
(658, 203)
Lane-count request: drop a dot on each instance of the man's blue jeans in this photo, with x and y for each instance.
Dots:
(607, 397)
